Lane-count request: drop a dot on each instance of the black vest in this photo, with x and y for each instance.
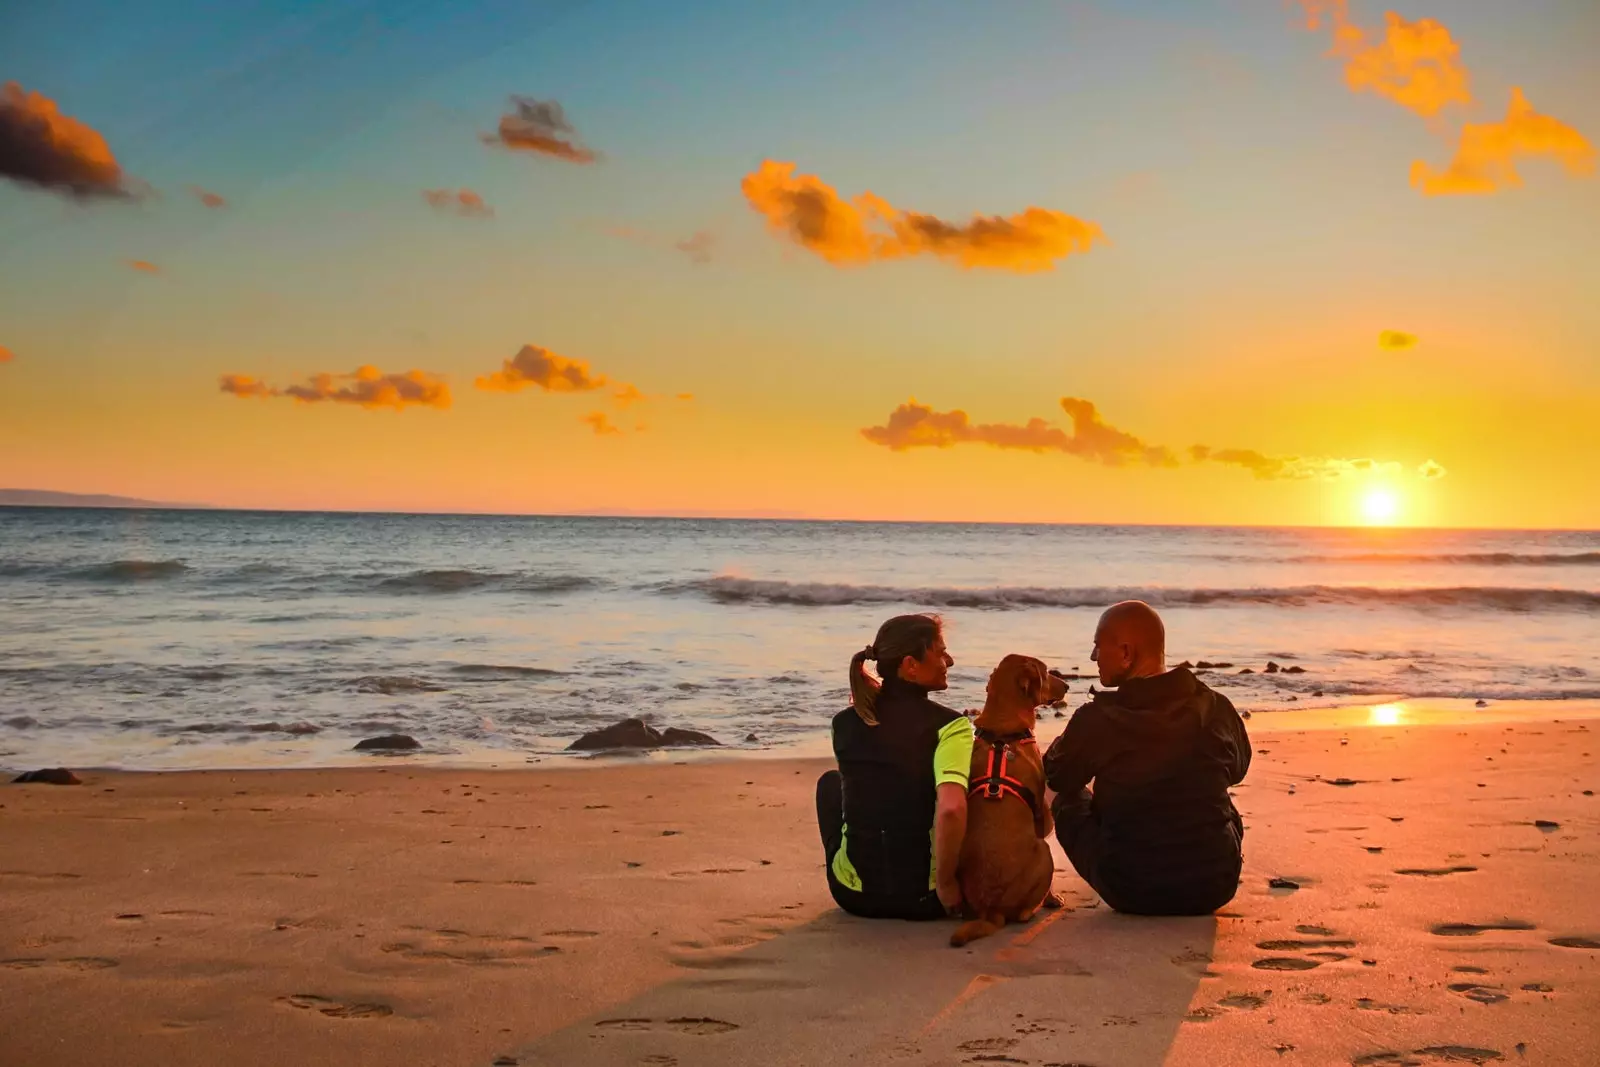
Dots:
(889, 788)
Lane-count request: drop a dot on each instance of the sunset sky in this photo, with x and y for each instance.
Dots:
(1146, 261)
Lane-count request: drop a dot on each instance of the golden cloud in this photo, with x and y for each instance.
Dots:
(806, 210)
(1416, 64)
(541, 367)
(597, 421)
(1290, 468)
(40, 146)
(1396, 340)
(539, 126)
(209, 199)
(244, 386)
(144, 266)
(6, 355)
(463, 202)
(914, 425)
(366, 387)
(1485, 159)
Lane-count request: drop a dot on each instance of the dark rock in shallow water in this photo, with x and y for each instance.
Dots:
(1272, 668)
(751, 739)
(1294, 670)
(1247, 670)
(636, 733)
(49, 776)
(1185, 665)
(388, 743)
(1208, 666)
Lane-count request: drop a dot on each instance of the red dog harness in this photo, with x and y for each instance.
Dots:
(996, 780)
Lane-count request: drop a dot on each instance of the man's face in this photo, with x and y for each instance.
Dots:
(932, 671)
(1114, 658)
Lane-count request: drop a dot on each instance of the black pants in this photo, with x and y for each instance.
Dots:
(830, 820)
(1078, 830)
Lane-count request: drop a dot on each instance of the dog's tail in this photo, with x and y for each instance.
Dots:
(983, 926)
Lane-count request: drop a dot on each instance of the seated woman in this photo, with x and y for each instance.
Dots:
(894, 813)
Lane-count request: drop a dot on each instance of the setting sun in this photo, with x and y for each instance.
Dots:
(1380, 506)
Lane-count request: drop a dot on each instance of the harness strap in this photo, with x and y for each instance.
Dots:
(996, 781)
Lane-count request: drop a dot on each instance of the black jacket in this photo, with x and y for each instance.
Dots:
(1162, 753)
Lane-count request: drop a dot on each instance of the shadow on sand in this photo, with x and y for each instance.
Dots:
(1083, 986)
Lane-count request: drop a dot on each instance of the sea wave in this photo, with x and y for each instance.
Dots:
(460, 581)
(1468, 559)
(492, 671)
(132, 570)
(733, 590)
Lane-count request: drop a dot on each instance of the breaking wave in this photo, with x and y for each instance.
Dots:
(1468, 559)
(731, 590)
(460, 581)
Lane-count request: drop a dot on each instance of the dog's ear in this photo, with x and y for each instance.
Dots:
(1032, 680)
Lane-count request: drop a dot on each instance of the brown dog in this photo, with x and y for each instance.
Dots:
(1006, 867)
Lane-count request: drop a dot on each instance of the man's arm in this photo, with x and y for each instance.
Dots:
(949, 829)
(1233, 729)
(1074, 758)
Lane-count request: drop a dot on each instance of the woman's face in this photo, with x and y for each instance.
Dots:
(932, 671)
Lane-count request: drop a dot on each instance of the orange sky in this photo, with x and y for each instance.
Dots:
(1340, 248)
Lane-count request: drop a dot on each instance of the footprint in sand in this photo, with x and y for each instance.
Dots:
(1575, 942)
(1481, 993)
(1434, 872)
(1367, 1004)
(457, 946)
(1301, 946)
(71, 963)
(1285, 963)
(335, 1009)
(988, 1044)
(696, 1027)
(1432, 1054)
(1474, 929)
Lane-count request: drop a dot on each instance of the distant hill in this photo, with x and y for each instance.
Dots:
(46, 498)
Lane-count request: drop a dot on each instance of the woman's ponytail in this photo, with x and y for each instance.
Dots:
(863, 687)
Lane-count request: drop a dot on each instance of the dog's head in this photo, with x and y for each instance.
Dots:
(1025, 682)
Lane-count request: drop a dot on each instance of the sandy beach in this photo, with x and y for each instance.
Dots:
(628, 912)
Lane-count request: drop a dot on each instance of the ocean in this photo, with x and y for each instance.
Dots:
(168, 638)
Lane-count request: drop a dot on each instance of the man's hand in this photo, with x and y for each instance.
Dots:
(949, 895)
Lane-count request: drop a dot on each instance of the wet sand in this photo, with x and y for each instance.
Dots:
(662, 913)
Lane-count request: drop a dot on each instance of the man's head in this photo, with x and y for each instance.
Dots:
(1130, 642)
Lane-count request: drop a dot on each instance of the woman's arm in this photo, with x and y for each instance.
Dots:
(949, 828)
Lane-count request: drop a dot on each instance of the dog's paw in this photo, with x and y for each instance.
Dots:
(1051, 900)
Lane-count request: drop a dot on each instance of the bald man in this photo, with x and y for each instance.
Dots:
(1159, 834)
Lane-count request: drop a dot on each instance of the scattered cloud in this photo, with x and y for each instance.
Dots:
(1485, 159)
(1397, 340)
(541, 367)
(40, 146)
(1290, 468)
(628, 395)
(698, 246)
(366, 386)
(599, 422)
(244, 386)
(463, 202)
(209, 199)
(914, 425)
(144, 266)
(540, 126)
(6, 355)
(806, 210)
(1415, 64)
